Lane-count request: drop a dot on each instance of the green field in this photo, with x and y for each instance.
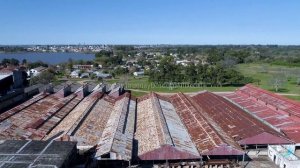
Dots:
(265, 73)
(294, 97)
(253, 70)
(138, 94)
(142, 84)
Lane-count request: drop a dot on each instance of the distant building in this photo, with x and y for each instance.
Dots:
(284, 156)
(183, 62)
(12, 79)
(83, 67)
(84, 75)
(102, 75)
(140, 73)
(36, 71)
(75, 74)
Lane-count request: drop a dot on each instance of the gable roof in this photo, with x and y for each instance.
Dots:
(206, 134)
(237, 123)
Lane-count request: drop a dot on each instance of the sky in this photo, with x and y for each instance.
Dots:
(150, 22)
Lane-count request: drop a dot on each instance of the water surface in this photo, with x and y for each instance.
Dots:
(50, 58)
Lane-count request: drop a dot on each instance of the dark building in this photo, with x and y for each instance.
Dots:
(10, 80)
(37, 153)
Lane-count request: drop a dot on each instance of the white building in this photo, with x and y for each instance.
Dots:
(75, 74)
(84, 75)
(102, 75)
(36, 71)
(284, 156)
(141, 73)
(183, 62)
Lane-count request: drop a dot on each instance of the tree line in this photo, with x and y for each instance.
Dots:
(207, 75)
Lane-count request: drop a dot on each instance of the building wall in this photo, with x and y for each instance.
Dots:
(280, 160)
(6, 84)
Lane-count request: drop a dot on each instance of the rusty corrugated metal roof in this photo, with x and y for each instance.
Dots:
(68, 121)
(235, 122)
(159, 128)
(18, 126)
(91, 128)
(257, 102)
(117, 136)
(22, 106)
(180, 137)
(288, 105)
(205, 133)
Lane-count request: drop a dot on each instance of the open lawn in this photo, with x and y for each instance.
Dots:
(265, 73)
(294, 97)
(138, 94)
(142, 84)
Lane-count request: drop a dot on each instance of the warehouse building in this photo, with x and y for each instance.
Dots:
(275, 111)
(39, 154)
(112, 128)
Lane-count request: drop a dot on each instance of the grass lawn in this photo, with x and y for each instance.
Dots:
(143, 84)
(293, 97)
(138, 94)
(265, 73)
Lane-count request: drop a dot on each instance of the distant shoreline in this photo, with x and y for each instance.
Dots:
(20, 52)
(48, 57)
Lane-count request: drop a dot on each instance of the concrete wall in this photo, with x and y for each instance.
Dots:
(281, 160)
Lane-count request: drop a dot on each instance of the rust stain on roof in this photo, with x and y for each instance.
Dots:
(158, 126)
(205, 133)
(271, 108)
(69, 120)
(234, 121)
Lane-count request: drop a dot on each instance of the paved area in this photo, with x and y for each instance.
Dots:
(260, 162)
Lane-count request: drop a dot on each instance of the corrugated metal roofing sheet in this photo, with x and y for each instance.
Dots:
(68, 121)
(206, 135)
(32, 116)
(235, 122)
(270, 108)
(160, 134)
(180, 137)
(118, 133)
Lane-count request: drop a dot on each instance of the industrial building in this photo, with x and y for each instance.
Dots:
(277, 112)
(39, 154)
(112, 128)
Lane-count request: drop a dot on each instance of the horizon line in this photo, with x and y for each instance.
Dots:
(132, 44)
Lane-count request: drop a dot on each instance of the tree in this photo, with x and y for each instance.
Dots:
(298, 81)
(95, 65)
(45, 77)
(24, 61)
(11, 61)
(70, 63)
(107, 58)
(14, 62)
(37, 64)
(229, 62)
(277, 81)
(93, 76)
(214, 56)
(120, 71)
(124, 79)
